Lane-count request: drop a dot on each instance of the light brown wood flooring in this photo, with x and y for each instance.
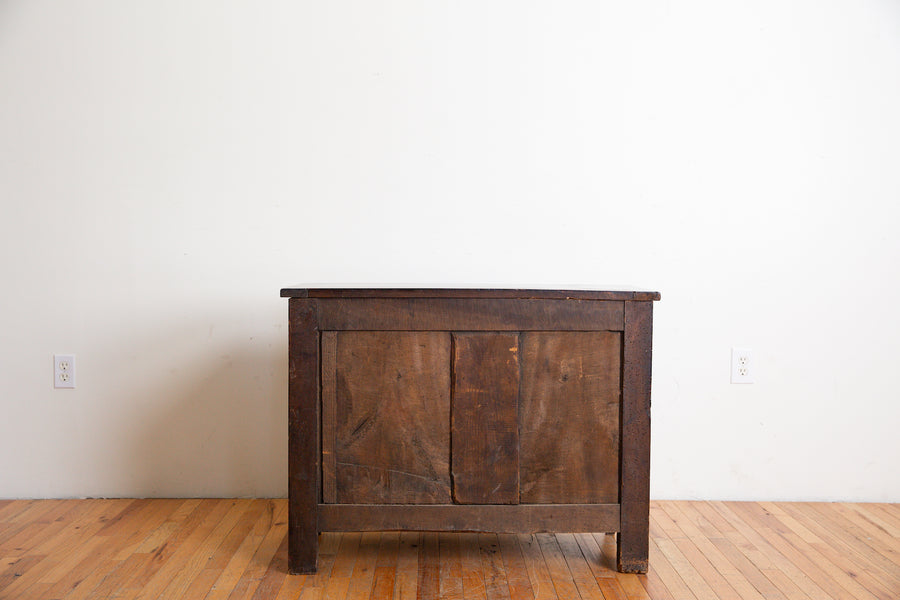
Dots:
(224, 549)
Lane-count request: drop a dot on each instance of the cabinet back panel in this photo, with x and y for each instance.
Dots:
(569, 417)
(386, 417)
(485, 418)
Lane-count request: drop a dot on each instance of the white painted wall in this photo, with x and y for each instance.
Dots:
(167, 166)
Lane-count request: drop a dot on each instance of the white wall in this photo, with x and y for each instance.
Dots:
(167, 166)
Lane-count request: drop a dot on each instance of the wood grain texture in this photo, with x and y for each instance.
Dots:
(516, 569)
(303, 433)
(578, 294)
(460, 314)
(569, 417)
(470, 562)
(424, 403)
(634, 493)
(391, 413)
(484, 418)
(450, 567)
(429, 566)
(207, 549)
(498, 518)
(328, 407)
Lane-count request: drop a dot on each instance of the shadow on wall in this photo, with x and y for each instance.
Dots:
(214, 424)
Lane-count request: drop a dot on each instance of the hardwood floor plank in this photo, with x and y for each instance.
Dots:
(562, 579)
(601, 559)
(889, 512)
(11, 508)
(762, 584)
(715, 568)
(667, 574)
(601, 564)
(155, 526)
(115, 525)
(22, 537)
(429, 575)
(193, 529)
(846, 545)
(872, 513)
(774, 559)
(14, 570)
(668, 547)
(237, 550)
(90, 572)
(582, 575)
(611, 589)
(364, 569)
(833, 561)
(29, 516)
(451, 585)
(654, 586)
(631, 585)
(273, 529)
(386, 567)
(312, 587)
(276, 571)
(339, 581)
(735, 537)
(538, 574)
(35, 509)
(470, 563)
(406, 585)
(872, 534)
(495, 583)
(114, 575)
(516, 571)
(185, 563)
(63, 552)
(845, 536)
(836, 583)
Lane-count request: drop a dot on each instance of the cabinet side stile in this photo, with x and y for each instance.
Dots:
(303, 435)
(634, 491)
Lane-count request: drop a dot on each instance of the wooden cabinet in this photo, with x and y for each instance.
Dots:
(469, 410)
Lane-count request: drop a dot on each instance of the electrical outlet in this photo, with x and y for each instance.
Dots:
(742, 365)
(64, 370)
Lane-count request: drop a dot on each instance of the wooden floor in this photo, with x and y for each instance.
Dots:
(219, 549)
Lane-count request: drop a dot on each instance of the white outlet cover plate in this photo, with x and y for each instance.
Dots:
(64, 371)
(742, 367)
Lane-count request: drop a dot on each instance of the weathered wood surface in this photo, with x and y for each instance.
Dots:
(484, 418)
(329, 406)
(391, 417)
(576, 294)
(497, 518)
(569, 417)
(303, 433)
(460, 314)
(635, 453)
(423, 403)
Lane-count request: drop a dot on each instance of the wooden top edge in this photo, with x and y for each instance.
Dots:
(580, 294)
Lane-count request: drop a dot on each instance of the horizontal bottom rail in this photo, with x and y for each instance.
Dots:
(496, 518)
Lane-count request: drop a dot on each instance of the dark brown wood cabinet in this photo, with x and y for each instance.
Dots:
(515, 411)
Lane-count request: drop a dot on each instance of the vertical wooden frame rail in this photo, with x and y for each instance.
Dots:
(634, 479)
(303, 435)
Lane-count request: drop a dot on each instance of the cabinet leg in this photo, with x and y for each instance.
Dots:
(631, 551)
(303, 551)
(634, 492)
(303, 437)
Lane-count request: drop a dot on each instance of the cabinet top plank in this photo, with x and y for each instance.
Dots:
(619, 293)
